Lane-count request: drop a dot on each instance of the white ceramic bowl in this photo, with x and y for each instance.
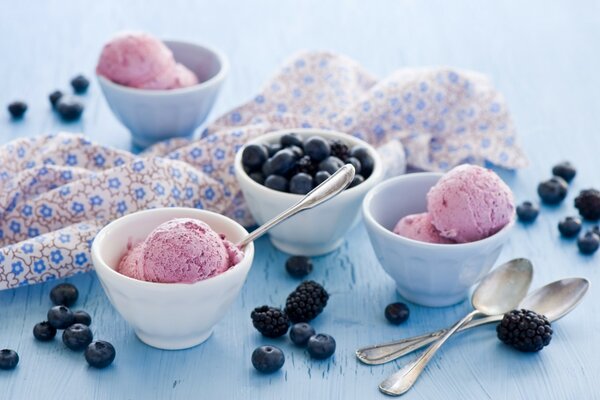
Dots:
(168, 315)
(429, 274)
(155, 115)
(316, 231)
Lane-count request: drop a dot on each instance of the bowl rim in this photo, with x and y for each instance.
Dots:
(102, 235)
(242, 175)
(213, 81)
(370, 219)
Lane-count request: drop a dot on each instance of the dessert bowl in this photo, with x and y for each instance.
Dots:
(429, 274)
(155, 115)
(316, 231)
(168, 315)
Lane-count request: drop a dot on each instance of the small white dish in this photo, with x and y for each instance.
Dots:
(316, 231)
(168, 316)
(429, 274)
(155, 115)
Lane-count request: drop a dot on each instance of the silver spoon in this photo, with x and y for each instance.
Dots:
(498, 292)
(554, 300)
(326, 190)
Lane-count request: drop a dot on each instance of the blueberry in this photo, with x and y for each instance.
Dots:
(54, 97)
(397, 313)
(77, 337)
(570, 227)
(64, 294)
(321, 177)
(300, 333)
(331, 164)
(267, 359)
(553, 191)
(297, 151)
(267, 168)
(80, 84)
(290, 139)
(357, 180)
(254, 156)
(257, 177)
(69, 108)
(8, 359)
(301, 183)
(277, 182)
(355, 163)
(60, 317)
(100, 354)
(17, 109)
(43, 331)
(317, 148)
(565, 170)
(527, 211)
(282, 161)
(588, 243)
(366, 160)
(298, 266)
(273, 148)
(81, 317)
(321, 346)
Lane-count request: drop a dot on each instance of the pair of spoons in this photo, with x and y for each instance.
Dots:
(500, 291)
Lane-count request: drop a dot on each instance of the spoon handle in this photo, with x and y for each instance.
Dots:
(401, 382)
(326, 190)
(386, 352)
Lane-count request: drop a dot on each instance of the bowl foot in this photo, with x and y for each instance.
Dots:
(306, 249)
(430, 300)
(172, 343)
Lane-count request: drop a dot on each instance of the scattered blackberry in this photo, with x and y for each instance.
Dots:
(80, 84)
(306, 302)
(100, 354)
(525, 330)
(270, 321)
(339, 149)
(588, 243)
(298, 266)
(8, 359)
(569, 227)
(54, 97)
(565, 170)
(43, 331)
(553, 191)
(527, 211)
(64, 294)
(397, 313)
(268, 359)
(306, 165)
(17, 109)
(588, 204)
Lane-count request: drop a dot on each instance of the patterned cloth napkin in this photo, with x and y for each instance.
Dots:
(58, 191)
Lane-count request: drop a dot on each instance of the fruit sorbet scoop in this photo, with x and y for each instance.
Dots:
(181, 250)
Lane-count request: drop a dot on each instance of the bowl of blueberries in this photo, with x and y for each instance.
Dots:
(277, 169)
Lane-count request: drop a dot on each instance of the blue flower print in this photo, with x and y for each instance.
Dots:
(27, 248)
(259, 99)
(209, 193)
(64, 238)
(99, 160)
(140, 193)
(80, 259)
(175, 173)
(17, 267)
(236, 117)
(119, 161)
(71, 159)
(45, 211)
(39, 266)
(2, 258)
(159, 189)
(138, 166)
(281, 107)
(114, 183)
(77, 207)
(196, 152)
(219, 154)
(33, 232)
(96, 200)
(21, 152)
(175, 192)
(66, 175)
(26, 211)
(208, 168)
(15, 227)
(64, 191)
(43, 171)
(121, 207)
(56, 256)
(189, 193)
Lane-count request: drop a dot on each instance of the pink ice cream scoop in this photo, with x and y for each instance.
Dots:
(419, 227)
(180, 250)
(141, 61)
(470, 203)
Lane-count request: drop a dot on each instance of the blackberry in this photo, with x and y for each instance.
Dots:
(306, 302)
(339, 149)
(306, 165)
(525, 330)
(270, 321)
(565, 170)
(588, 204)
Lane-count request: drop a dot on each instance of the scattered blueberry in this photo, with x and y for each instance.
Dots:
(569, 227)
(257, 177)
(565, 170)
(17, 109)
(357, 180)
(588, 243)
(317, 148)
(277, 182)
(77, 337)
(397, 313)
(80, 84)
(366, 160)
(81, 317)
(43, 331)
(553, 191)
(282, 162)
(54, 97)
(268, 359)
(254, 156)
(8, 359)
(301, 183)
(69, 108)
(355, 163)
(60, 317)
(321, 346)
(290, 139)
(300, 333)
(331, 164)
(64, 294)
(588, 204)
(298, 266)
(100, 354)
(527, 211)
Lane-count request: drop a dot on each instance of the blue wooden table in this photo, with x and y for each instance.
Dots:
(544, 57)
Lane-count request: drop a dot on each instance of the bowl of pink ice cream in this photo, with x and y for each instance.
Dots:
(436, 235)
(159, 89)
(172, 273)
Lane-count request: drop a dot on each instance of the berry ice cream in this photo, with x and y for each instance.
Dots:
(419, 227)
(181, 250)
